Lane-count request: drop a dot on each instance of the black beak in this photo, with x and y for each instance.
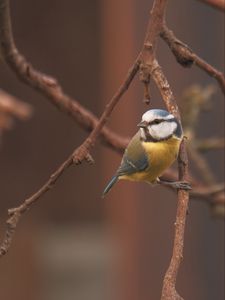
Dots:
(142, 124)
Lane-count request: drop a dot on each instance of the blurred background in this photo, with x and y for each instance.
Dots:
(73, 244)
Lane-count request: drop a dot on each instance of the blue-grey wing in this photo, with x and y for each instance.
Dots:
(134, 159)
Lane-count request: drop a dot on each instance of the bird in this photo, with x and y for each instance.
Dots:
(151, 151)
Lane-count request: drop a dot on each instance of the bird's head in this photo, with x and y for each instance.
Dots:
(157, 125)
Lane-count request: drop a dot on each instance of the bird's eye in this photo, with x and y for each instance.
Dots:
(157, 121)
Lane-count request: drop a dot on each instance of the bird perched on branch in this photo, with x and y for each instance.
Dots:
(151, 151)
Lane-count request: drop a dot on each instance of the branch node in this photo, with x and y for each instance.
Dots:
(147, 96)
(181, 51)
(145, 76)
(144, 73)
(12, 211)
(50, 81)
(82, 153)
(183, 54)
(148, 46)
(186, 57)
(90, 159)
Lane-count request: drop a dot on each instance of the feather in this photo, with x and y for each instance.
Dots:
(135, 158)
(110, 185)
(134, 161)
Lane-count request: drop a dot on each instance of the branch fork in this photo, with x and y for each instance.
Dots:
(82, 153)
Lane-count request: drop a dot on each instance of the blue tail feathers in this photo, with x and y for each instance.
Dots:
(109, 185)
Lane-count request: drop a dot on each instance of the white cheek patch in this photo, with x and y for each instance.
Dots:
(162, 130)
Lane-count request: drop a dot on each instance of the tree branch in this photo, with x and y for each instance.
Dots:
(204, 145)
(186, 57)
(50, 88)
(219, 4)
(15, 214)
(208, 192)
(48, 85)
(83, 150)
(11, 107)
(151, 68)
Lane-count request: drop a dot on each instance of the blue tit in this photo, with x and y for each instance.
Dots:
(151, 151)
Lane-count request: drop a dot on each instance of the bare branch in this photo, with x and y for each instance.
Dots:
(16, 213)
(11, 107)
(48, 85)
(210, 194)
(50, 88)
(186, 57)
(82, 152)
(218, 207)
(150, 68)
(14, 106)
(219, 4)
(204, 192)
(204, 145)
(169, 282)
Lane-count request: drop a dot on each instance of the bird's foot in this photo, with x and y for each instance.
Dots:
(179, 185)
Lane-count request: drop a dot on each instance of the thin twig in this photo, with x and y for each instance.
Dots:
(207, 192)
(200, 191)
(169, 283)
(83, 151)
(219, 4)
(151, 68)
(186, 57)
(203, 145)
(169, 292)
(11, 107)
(15, 214)
(48, 85)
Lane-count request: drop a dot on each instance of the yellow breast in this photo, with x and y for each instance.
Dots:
(161, 155)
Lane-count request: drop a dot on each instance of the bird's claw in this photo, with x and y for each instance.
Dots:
(182, 185)
(178, 185)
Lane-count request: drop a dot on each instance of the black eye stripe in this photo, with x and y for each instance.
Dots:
(158, 121)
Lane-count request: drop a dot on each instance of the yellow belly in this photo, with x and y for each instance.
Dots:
(161, 156)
